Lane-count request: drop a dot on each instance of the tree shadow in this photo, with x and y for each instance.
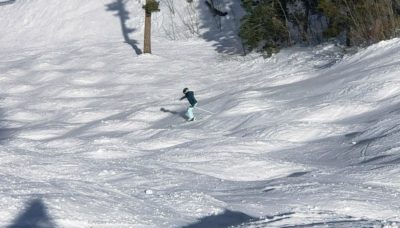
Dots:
(298, 174)
(5, 132)
(222, 25)
(123, 14)
(34, 216)
(226, 219)
(85, 127)
(9, 2)
(181, 114)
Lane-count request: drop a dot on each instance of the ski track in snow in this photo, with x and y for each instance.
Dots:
(93, 136)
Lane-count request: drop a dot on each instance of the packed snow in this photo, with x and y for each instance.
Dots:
(92, 132)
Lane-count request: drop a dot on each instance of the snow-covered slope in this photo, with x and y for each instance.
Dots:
(92, 135)
(28, 23)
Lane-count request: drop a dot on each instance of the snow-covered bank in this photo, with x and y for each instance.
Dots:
(92, 134)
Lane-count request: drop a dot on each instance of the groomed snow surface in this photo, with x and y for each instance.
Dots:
(92, 134)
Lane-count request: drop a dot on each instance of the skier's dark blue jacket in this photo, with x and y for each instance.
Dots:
(190, 96)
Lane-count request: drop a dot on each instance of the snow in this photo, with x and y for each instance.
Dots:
(92, 134)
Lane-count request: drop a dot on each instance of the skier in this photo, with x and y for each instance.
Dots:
(189, 95)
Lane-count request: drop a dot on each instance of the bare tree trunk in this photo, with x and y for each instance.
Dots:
(147, 33)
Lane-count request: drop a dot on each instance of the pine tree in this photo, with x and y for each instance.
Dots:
(264, 28)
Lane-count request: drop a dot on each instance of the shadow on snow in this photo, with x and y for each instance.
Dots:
(180, 114)
(2, 3)
(226, 219)
(5, 132)
(35, 215)
(123, 14)
(239, 219)
(223, 30)
(175, 118)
